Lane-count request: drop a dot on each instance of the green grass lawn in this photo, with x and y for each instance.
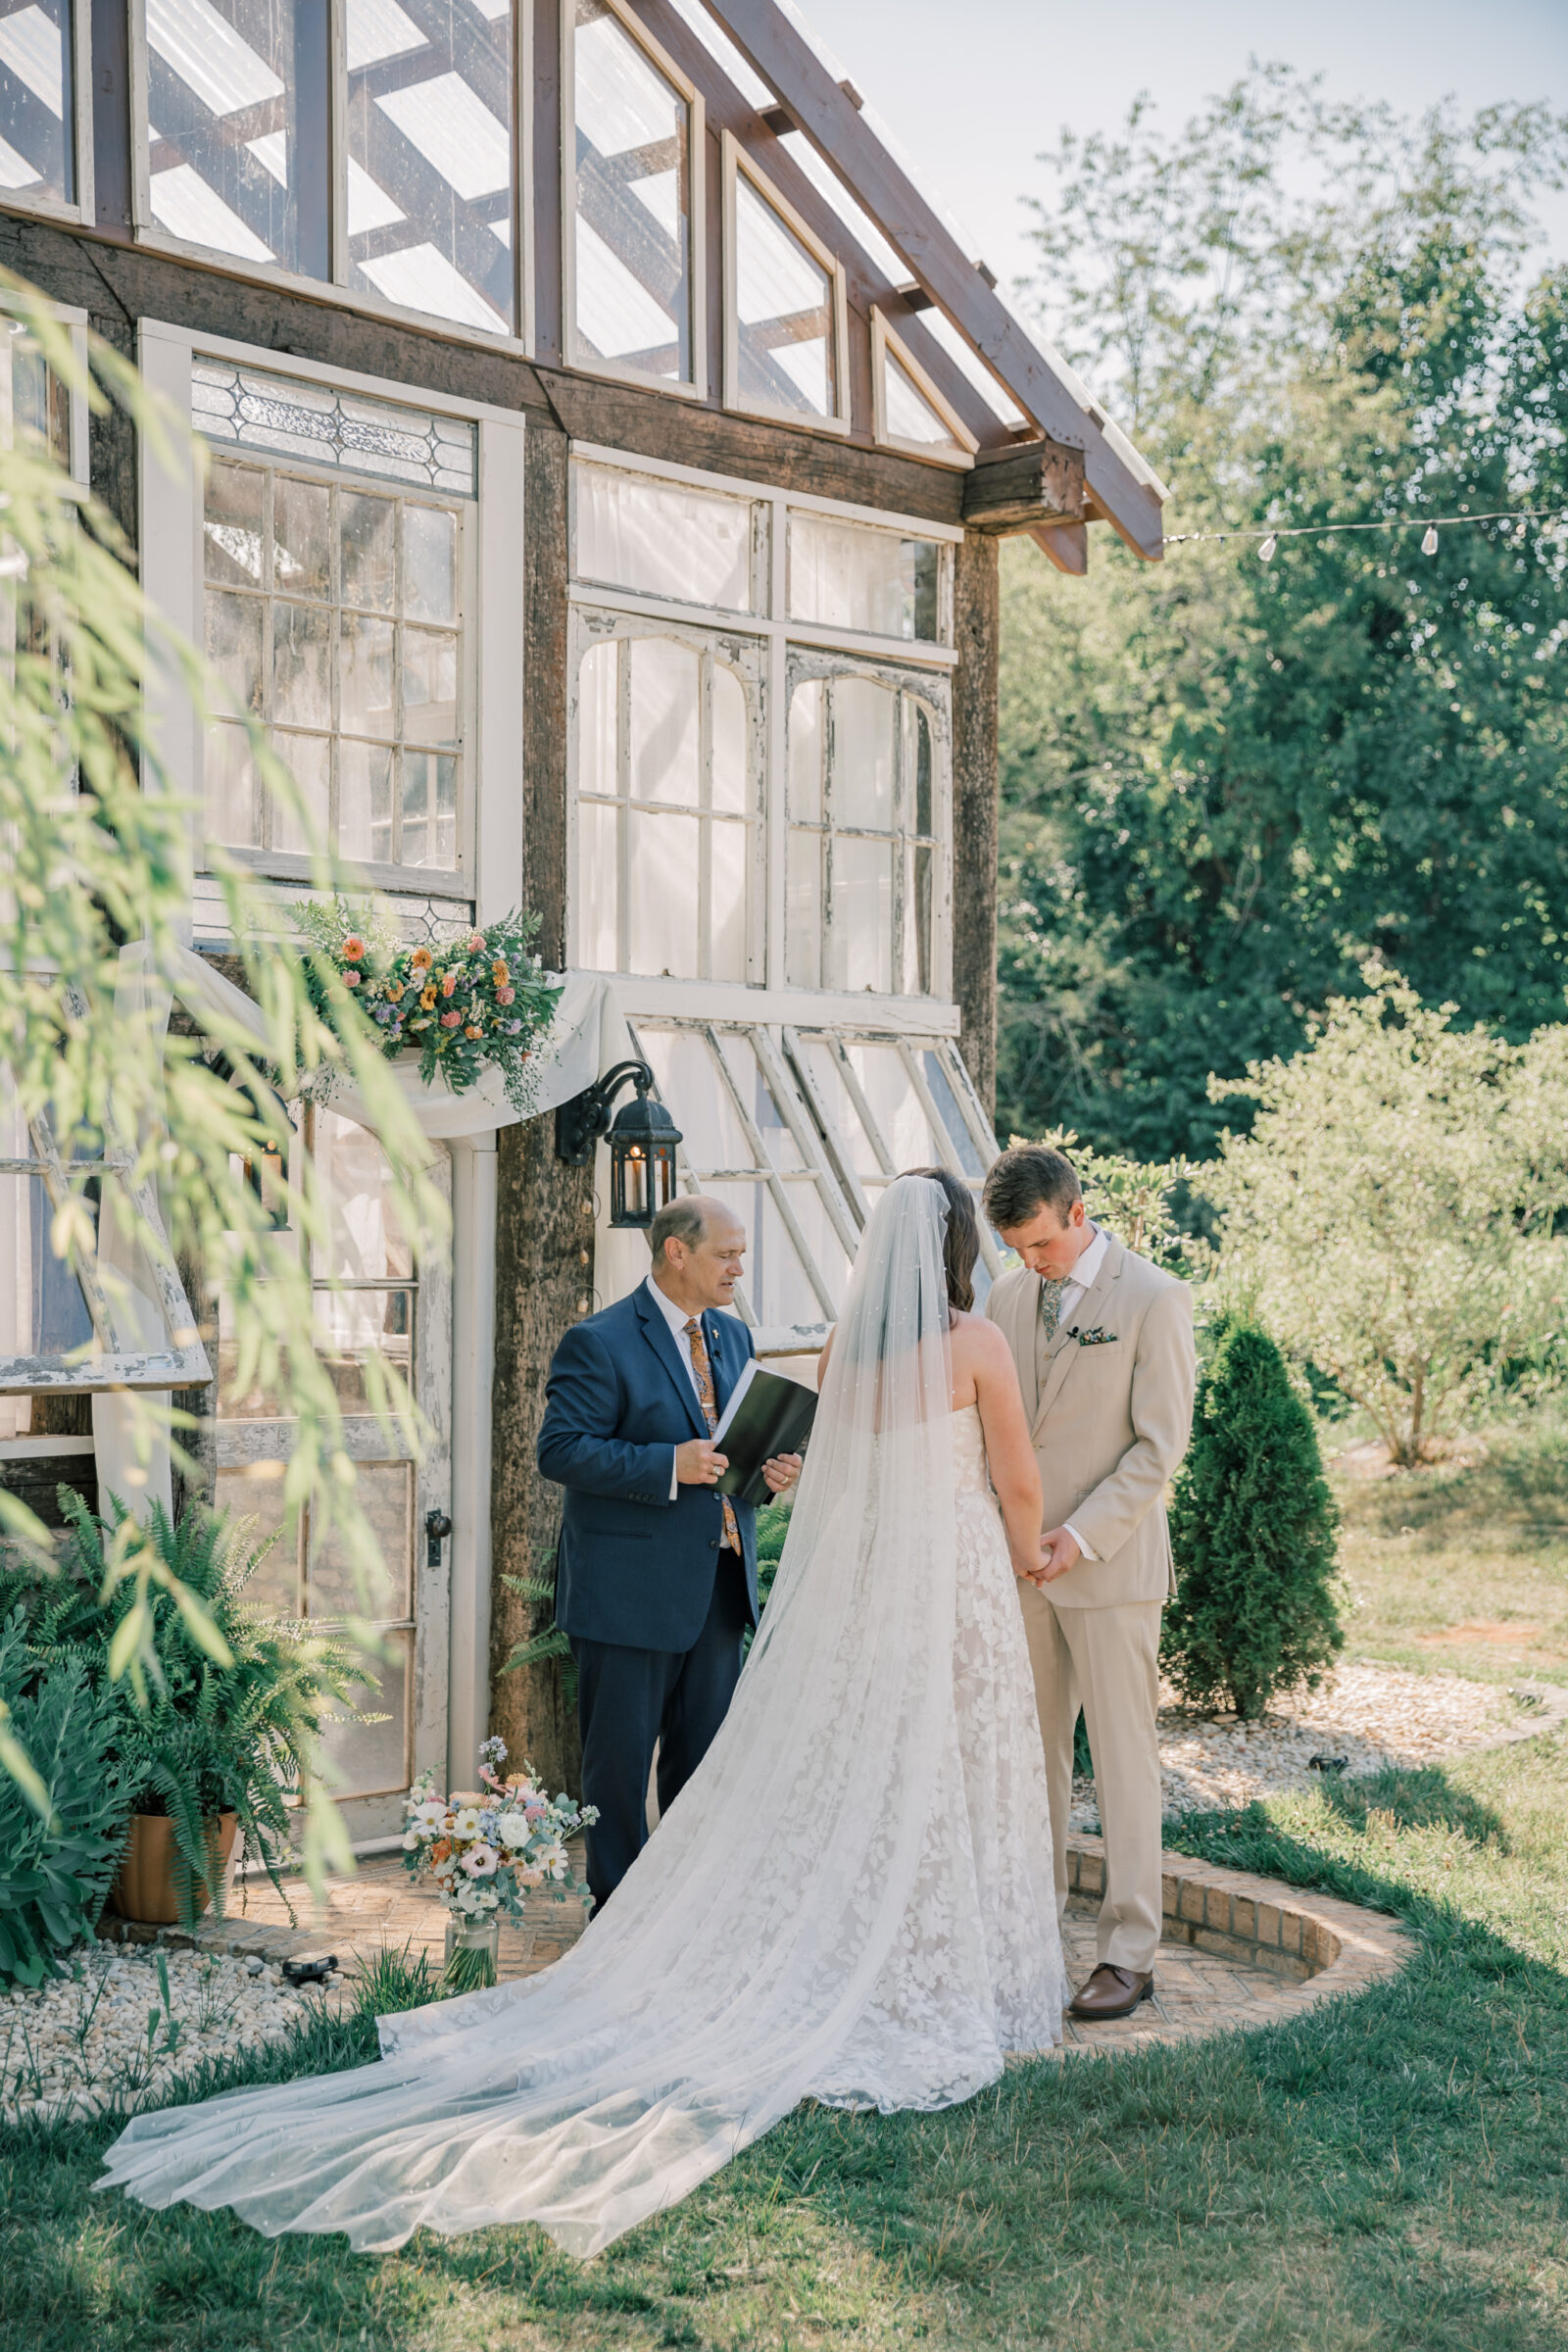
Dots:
(1388, 2172)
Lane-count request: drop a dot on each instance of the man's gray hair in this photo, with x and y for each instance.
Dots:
(683, 1219)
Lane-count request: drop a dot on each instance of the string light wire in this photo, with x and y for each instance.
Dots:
(1271, 533)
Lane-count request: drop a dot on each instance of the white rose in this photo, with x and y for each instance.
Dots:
(514, 1828)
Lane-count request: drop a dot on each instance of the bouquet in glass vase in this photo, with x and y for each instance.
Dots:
(486, 1849)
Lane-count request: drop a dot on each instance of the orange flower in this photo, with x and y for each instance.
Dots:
(394, 989)
(499, 972)
(353, 948)
(441, 1849)
(420, 960)
(472, 1031)
(448, 983)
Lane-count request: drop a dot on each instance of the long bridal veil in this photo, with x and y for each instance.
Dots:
(727, 1978)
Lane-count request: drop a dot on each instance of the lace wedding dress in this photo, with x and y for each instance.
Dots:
(850, 1900)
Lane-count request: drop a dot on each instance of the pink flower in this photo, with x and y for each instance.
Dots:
(476, 944)
(449, 1021)
(448, 983)
(506, 996)
(351, 979)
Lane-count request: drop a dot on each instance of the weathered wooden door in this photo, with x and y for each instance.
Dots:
(384, 1304)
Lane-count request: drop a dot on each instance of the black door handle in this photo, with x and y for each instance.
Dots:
(437, 1527)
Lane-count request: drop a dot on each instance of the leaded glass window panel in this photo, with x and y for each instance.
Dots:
(785, 298)
(663, 538)
(849, 575)
(431, 103)
(631, 214)
(865, 877)
(239, 127)
(334, 617)
(668, 752)
(37, 101)
(248, 407)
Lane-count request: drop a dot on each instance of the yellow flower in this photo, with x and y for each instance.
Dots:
(393, 989)
(499, 972)
(427, 998)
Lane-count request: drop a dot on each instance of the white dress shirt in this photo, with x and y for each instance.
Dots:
(1084, 1275)
(677, 1318)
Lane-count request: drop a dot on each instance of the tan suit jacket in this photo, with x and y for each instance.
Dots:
(1110, 1421)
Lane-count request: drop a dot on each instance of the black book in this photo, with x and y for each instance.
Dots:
(767, 1414)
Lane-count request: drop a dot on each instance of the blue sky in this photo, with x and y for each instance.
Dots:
(973, 92)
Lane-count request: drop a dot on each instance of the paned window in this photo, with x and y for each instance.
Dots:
(634, 245)
(667, 539)
(429, 196)
(845, 575)
(667, 759)
(798, 1132)
(367, 1301)
(240, 144)
(865, 886)
(785, 315)
(334, 616)
(37, 102)
(908, 412)
(746, 1141)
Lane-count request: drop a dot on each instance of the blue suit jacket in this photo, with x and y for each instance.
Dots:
(633, 1567)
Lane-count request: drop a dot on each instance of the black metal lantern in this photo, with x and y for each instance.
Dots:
(642, 1140)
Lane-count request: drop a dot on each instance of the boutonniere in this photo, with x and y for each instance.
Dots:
(1099, 1337)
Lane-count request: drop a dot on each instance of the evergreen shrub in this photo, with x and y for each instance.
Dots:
(1253, 1528)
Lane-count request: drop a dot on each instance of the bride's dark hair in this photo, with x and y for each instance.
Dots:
(960, 1240)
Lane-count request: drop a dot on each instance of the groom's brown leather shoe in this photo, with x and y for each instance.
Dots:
(1111, 1992)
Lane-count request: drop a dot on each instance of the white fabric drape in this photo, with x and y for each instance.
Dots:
(852, 1898)
(587, 1035)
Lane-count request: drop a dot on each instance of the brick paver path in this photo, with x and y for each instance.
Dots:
(1238, 1951)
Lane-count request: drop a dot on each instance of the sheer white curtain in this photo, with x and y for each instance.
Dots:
(802, 1921)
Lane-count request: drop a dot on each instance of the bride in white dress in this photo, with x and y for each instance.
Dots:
(850, 1900)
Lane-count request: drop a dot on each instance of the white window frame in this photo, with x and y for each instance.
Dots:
(961, 452)
(739, 645)
(733, 159)
(171, 528)
(588, 363)
(769, 998)
(84, 212)
(149, 233)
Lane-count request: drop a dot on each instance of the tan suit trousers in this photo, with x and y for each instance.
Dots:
(1107, 1662)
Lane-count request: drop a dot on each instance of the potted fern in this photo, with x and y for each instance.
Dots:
(209, 1751)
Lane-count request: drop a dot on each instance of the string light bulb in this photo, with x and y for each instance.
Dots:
(1265, 554)
(1429, 544)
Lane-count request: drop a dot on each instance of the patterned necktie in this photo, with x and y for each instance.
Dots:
(1051, 1298)
(708, 1401)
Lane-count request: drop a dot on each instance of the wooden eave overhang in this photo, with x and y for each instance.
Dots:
(1115, 485)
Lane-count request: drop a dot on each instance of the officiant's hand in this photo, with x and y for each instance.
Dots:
(1060, 1550)
(699, 1463)
(782, 1472)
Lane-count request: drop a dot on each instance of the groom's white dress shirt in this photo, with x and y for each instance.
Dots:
(1084, 1275)
(677, 1318)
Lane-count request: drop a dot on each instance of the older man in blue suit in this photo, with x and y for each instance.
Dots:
(655, 1581)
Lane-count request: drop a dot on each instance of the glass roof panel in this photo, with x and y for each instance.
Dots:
(909, 414)
(456, 132)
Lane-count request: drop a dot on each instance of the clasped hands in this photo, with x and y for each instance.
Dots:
(1060, 1550)
(699, 1463)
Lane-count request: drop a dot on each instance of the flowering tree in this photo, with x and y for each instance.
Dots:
(98, 851)
(1391, 1213)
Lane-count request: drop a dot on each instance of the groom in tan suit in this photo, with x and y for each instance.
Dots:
(1104, 1345)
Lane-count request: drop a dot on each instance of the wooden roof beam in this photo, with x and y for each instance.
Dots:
(1025, 487)
(1125, 488)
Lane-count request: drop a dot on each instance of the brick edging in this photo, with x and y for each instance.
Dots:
(1321, 1947)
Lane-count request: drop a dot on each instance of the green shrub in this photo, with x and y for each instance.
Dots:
(204, 1739)
(55, 1867)
(1254, 1528)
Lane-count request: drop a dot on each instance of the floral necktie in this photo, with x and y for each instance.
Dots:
(1051, 1298)
(708, 1401)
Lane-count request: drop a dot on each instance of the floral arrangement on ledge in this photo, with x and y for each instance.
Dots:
(480, 999)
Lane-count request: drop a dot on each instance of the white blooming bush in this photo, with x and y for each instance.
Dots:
(485, 1849)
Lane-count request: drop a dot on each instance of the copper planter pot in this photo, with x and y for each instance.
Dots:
(147, 1884)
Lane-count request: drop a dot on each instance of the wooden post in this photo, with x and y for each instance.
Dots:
(976, 606)
(544, 1209)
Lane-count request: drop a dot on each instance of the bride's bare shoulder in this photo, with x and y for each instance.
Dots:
(977, 1345)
